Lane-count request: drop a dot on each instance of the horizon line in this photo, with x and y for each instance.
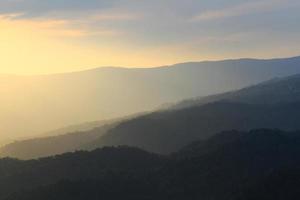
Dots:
(149, 68)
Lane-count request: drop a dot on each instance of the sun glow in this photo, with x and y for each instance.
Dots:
(52, 46)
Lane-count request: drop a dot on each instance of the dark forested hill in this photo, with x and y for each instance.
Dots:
(166, 132)
(18, 175)
(230, 165)
(41, 103)
(231, 161)
(279, 185)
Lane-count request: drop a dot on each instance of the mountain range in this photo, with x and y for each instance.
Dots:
(222, 130)
(32, 105)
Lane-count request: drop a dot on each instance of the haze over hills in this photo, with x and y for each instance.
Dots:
(271, 104)
(167, 132)
(230, 165)
(52, 145)
(31, 105)
(272, 92)
(149, 100)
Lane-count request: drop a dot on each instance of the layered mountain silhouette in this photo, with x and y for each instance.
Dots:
(271, 104)
(230, 165)
(31, 105)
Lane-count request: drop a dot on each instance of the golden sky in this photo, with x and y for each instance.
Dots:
(41, 37)
(30, 47)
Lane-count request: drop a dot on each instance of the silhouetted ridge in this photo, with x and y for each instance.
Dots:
(222, 168)
(231, 165)
(168, 131)
(19, 175)
(262, 139)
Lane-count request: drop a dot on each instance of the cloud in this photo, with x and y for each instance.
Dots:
(114, 17)
(150, 24)
(70, 18)
(238, 10)
(58, 27)
(34, 8)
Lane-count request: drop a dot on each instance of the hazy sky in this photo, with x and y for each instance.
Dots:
(47, 36)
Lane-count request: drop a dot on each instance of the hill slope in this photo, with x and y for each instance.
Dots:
(169, 131)
(19, 175)
(54, 145)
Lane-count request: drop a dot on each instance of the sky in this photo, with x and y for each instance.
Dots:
(54, 36)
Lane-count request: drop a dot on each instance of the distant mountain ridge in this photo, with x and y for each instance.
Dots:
(41, 103)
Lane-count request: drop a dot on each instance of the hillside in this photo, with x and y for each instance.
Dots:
(226, 166)
(66, 139)
(53, 145)
(42, 103)
(274, 91)
(19, 175)
(166, 132)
